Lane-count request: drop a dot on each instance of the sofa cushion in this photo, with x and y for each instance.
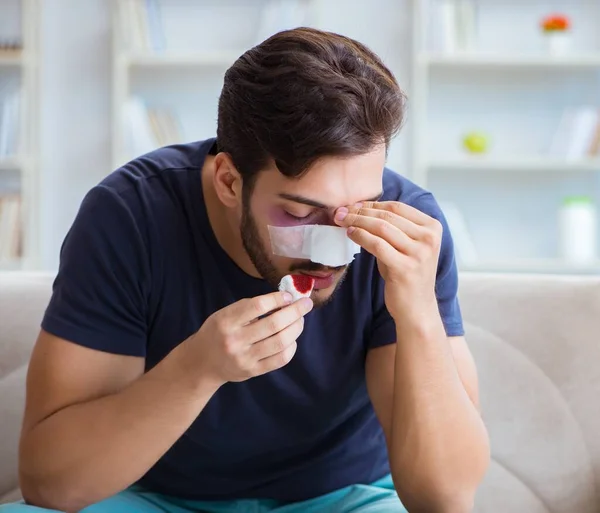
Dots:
(12, 496)
(23, 299)
(535, 342)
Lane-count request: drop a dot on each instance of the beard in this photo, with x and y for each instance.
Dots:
(255, 249)
(259, 256)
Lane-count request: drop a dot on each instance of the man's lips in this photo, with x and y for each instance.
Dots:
(318, 275)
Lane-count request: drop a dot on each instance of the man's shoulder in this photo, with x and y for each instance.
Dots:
(158, 163)
(399, 188)
(147, 191)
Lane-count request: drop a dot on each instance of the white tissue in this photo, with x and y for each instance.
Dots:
(287, 285)
(322, 244)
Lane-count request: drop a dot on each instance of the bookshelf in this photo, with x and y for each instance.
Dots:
(167, 74)
(509, 61)
(10, 59)
(174, 60)
(533, 266)
(19, 176)
(483, 67)
(515, 165)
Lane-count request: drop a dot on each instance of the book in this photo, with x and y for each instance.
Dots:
(10, 227)
(577, 135)
(156, 33)
(452, 26)
(141, 27)
(466, 21)
(149, 128)
(10, 46)
(9, 120)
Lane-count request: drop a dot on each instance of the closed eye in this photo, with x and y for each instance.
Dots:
(297, 218)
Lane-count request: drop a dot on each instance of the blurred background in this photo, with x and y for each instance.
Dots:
(503, 122)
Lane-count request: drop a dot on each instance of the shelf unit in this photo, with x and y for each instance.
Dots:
(508, 61)
(10, 59)
(515, 165)
(175, 60)
(534, 266)
(23, 167)
(454, 175)
(142, 73)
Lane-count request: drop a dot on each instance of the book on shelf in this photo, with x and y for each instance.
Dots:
(149, 128)
(9, 121)
(141, 26)
(10, 46)
(10, 227)
(452, 26)
(142, 30)
(577, 135)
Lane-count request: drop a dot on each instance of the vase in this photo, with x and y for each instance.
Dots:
(558, 43)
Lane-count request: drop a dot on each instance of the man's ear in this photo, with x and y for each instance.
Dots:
(227, 181)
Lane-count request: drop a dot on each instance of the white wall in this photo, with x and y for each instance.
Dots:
(75, 112)
(75, 117)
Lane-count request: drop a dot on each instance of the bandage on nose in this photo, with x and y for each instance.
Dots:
(322, 244)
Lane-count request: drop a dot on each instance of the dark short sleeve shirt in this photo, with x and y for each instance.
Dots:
(141, 270)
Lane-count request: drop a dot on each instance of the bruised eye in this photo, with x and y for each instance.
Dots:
(297, 218)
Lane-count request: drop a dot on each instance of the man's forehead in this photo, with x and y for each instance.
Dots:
(332, 181)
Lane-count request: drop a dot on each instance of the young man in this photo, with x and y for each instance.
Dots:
(171, 375)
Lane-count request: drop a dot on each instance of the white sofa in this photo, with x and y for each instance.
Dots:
(536, 340)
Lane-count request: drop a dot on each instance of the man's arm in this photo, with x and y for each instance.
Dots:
(426, 398)
(94, 423)
(426, 393)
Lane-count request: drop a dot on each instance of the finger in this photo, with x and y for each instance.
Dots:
(413, 230)
(278, 342)
(395, 237)
(402, 209)
(378, 247)
(246, 310)
(280, 320)
(276, 361)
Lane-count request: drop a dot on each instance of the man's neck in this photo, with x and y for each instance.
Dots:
(223, 223)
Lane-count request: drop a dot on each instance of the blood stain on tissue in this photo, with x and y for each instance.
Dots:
(303, 283)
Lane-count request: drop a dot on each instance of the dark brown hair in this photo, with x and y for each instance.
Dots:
(303, 94)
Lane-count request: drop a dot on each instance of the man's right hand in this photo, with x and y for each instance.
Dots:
(79, 399)
(242, 341)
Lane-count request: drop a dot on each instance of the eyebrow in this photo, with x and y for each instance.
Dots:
(316, 204)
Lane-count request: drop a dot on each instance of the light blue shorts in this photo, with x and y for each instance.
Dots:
(379, 497)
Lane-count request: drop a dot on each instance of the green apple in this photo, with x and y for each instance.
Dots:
(476, 142)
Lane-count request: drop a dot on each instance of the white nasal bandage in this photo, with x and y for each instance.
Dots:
(322, 244)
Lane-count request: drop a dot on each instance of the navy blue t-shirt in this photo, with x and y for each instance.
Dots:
(141, 270)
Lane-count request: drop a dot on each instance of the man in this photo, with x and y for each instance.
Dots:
(171, 375)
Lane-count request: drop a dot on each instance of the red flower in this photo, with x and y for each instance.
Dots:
(555, 22)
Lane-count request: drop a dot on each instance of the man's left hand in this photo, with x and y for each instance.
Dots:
(406, 243)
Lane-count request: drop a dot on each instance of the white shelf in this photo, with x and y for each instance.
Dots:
(512, 90)
(212, 59)
(525, 164)
(551, 266)
(25, 165)
(11, 265)
(508, 61)
(11, 58)
(10, 163)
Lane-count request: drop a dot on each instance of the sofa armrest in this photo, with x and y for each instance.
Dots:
(23, 299)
